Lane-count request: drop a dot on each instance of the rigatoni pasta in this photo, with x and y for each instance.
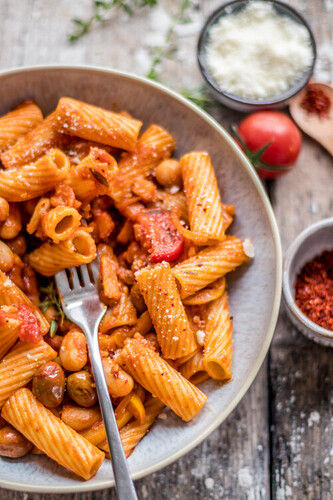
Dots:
(9, 328)
(50, 258)
(60, 223)
(154, 145)
(38, 424)
(90, 122)
(133, 432)
(84, 182)
(166, 310)
(35, 179)
(218, 340)
(18, 122)
(203, 197)
(208, 265)
(33, 144)
(158, 377)
(19, 365)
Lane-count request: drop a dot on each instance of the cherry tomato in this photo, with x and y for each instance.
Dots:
(276, 131)
(29, 329)
(158, 234)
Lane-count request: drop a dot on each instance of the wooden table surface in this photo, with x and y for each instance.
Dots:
(277, 443)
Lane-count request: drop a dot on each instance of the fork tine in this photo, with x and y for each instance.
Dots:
(85, 275)
(62, 283)
(75, 277)
(94, 266)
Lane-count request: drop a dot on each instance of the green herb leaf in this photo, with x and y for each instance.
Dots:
(78, 21)
(99, 177)
(104, 5)
(100, 7)
(197, 96)
(168, 49)
(53, 328)
(52, 300)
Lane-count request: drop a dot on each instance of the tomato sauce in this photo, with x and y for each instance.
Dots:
(29, 329)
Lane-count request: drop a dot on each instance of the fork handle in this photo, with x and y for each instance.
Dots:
(124, 484)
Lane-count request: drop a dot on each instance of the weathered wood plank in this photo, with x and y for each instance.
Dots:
(300, 371)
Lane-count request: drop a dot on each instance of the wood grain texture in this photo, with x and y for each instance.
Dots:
(273, 445)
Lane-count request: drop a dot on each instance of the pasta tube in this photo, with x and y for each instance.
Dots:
(218, 340)
(154, 145)
(96, 124)
(60, 223)
(209, 265)
(123, 313)
(52, 436)
(158, 377)
(40, 210)
(9, 328)
(18, 367)
(92, 177)
(35, 179)
(166, 310)
(203, 197)
(211, 292)
(33, 144)
(133, 432)
(18, 122)
(50, 258)
(11, 295)
(192, 366)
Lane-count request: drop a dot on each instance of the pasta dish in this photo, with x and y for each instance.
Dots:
(81, 183)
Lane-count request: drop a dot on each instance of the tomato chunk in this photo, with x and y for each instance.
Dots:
(159, 236)
(29, 330)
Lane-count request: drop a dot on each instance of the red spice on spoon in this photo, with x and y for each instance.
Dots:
(316, 101)
(314, 290)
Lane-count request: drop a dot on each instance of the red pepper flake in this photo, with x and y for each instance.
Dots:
(29, 329)
(316, 101)
(314, 290)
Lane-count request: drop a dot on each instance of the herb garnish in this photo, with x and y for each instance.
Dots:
(166, 51)
(100, 11)
(198, 96)
(52, 299)
(99, 177)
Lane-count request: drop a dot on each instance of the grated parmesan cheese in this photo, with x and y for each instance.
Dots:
(257, 52)
(248, 247)
(200, 334)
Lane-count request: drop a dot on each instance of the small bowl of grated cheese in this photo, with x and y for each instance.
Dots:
(256, 54)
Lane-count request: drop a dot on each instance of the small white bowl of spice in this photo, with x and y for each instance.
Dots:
(308, 282)
(256, 54)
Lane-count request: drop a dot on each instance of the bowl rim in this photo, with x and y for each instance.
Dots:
(283, 98)
(287, 287)
(246, 165)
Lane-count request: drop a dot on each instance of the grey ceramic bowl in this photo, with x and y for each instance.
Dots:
(310, 243)
(254, 289)
(243, 103)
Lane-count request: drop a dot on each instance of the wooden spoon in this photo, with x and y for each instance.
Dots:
(320, 128)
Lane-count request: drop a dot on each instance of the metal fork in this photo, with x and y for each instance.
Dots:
(81, 303)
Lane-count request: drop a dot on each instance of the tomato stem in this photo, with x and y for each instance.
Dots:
(254, 157)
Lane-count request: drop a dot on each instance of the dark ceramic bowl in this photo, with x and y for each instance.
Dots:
(243, 103)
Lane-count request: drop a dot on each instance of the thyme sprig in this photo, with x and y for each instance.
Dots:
(167, 49)
(198, 96)
(101, 12)
(52, 300)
